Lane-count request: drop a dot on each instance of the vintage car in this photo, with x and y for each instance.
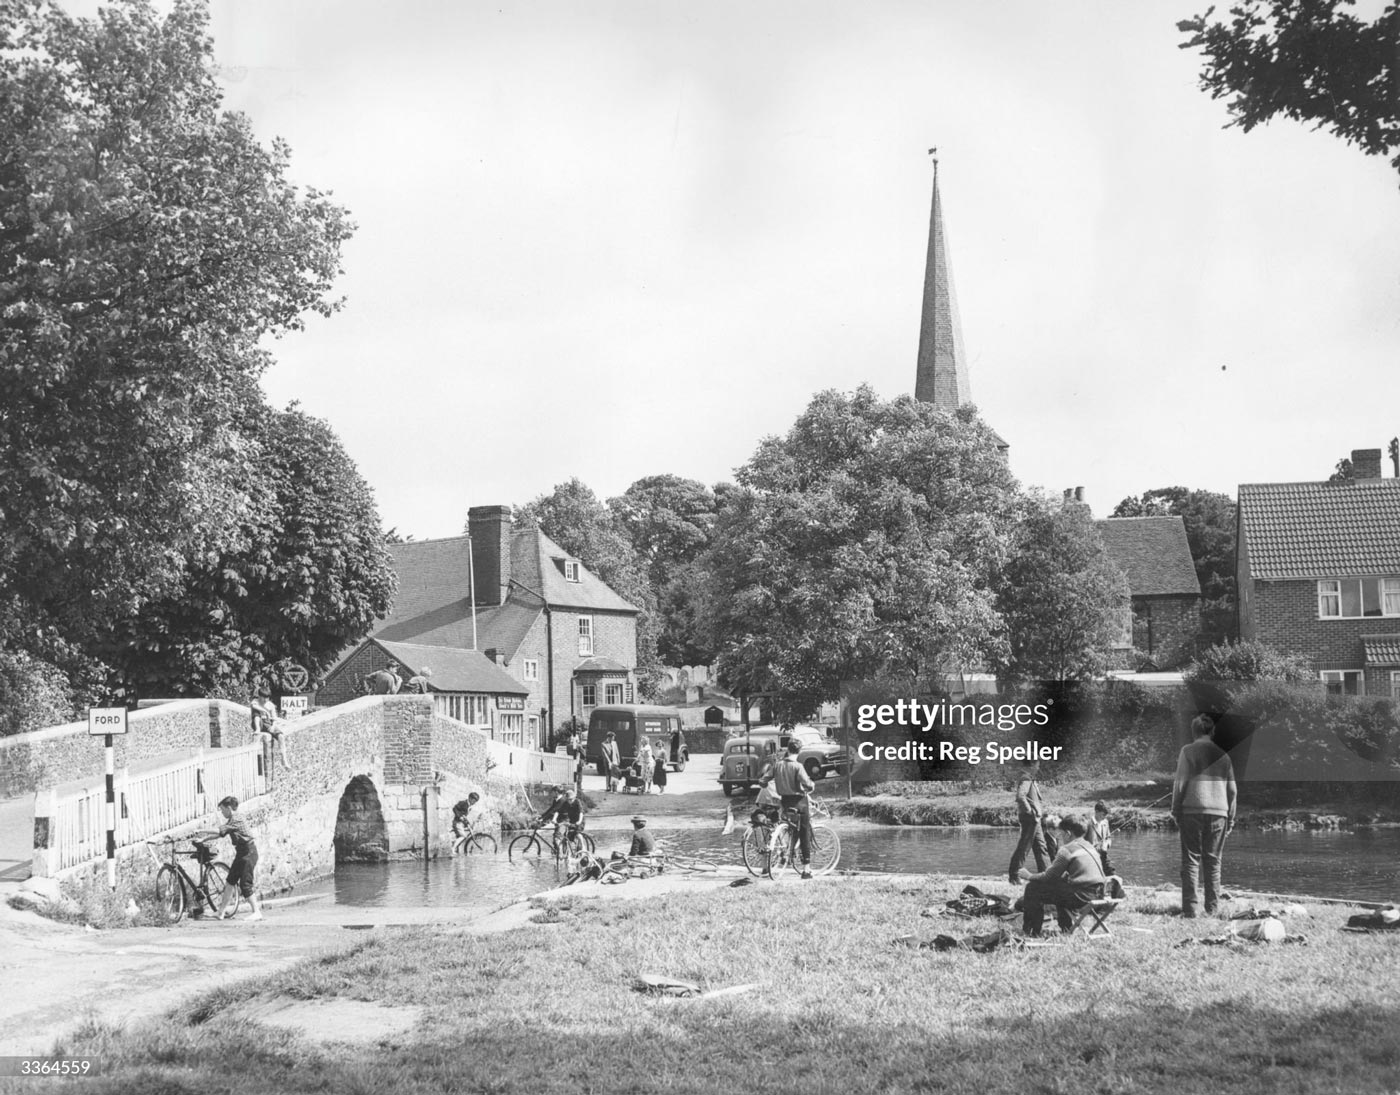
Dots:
(747, 755)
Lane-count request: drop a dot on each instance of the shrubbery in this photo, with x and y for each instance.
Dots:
(33, 694)
(1248, 661)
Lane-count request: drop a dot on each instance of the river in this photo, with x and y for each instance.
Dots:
(1359, 864)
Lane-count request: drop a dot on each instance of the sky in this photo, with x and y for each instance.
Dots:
(608, 240)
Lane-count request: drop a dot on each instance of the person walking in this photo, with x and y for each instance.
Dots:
(612, 760)
(1203, 804)
(245, 859)
(1028, 813)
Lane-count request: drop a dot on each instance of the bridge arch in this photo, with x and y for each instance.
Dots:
(361, 834)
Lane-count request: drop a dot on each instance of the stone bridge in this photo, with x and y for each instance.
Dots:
(370, 779)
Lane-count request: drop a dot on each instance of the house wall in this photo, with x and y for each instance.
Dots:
(1285, 616)
(1175, 623)
(614, 636)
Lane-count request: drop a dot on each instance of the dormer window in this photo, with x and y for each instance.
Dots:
(570, 570)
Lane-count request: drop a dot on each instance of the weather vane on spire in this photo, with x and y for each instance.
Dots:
(934, 153)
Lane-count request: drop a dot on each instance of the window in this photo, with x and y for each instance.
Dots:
(612, 693)
(590, 695)
(1343, 682)
(585, 636)
(1395, 684)
(512, 728)
(570, 570)
(530, 669)
(1356, 598)
(470, 709)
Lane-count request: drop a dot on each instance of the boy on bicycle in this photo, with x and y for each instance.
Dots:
(567, 813)
(245, 859)
(793, 784)
(464, 815)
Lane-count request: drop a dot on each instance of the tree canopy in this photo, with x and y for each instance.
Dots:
(147, 243)
(866, 542)
(1309, 60)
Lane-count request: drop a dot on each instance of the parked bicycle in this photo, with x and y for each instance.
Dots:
(758, 835)
(537, 842)
(784, 850)
(177, 892)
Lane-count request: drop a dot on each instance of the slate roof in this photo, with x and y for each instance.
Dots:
(1381, 649)
(1153, 553)
(1320, 530)
(537, 563)
(454, 670)
(600, 665)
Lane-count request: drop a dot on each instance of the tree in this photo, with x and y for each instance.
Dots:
(572, 516)
(147, 244)
(1062, 597)
(308, 576)
(670, 522)
(1344, 472)
(865, 543)
(1209, 518)
(1307, 60)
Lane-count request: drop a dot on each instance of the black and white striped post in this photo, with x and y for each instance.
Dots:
(109, 721)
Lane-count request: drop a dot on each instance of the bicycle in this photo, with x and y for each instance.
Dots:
(176, 891)
(536, 843)
(784, 851)
(470, 841)
(758, 836)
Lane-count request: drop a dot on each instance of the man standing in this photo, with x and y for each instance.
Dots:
(612, 760)
(382, 682)
(1028, 811)
(1203, 804)
(793, 783)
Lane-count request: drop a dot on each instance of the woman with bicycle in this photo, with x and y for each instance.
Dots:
(793, 784)
(245, 859)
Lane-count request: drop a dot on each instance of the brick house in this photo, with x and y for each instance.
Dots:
(1318, 571)
(538, 614)
(1166, 594)
(465, 684)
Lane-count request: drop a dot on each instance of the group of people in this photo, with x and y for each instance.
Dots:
(1204, 797)
(388, 682)
(648, 770)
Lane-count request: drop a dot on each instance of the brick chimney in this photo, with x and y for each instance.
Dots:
(489, 528)
(1366, 463)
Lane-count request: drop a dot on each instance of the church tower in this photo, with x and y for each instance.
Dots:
(942, 375)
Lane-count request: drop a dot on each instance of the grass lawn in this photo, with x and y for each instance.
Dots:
(550, 1008)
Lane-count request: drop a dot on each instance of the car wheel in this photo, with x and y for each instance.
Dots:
(680, 764)
(814, 768)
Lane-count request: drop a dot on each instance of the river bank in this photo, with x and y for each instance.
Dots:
(818, 986)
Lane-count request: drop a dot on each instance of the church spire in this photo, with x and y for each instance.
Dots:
(942, 374)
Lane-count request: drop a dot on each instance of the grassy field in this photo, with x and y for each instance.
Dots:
(840, 1006)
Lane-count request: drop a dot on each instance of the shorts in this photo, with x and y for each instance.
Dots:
(242, 872)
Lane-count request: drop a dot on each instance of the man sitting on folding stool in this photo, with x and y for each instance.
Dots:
(1072, 881)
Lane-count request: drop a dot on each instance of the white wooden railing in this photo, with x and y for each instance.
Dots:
(156, 798)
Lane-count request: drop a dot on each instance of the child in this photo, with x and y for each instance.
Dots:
(464, 815)
(245, 859)
(1101, 836)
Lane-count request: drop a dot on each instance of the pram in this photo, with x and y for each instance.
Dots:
(632, 778)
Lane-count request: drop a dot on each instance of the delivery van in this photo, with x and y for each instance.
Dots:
(662, 725)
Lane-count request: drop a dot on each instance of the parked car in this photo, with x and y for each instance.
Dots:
(747, 755)
(661, 724)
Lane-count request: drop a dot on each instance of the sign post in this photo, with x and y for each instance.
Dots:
(109, 721)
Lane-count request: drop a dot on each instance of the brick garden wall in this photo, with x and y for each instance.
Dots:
(59, 754)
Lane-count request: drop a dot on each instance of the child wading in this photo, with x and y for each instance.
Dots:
(245, 859)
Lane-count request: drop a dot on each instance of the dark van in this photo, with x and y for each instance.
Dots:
(661, 724)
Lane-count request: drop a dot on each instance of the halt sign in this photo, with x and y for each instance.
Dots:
(106, 720)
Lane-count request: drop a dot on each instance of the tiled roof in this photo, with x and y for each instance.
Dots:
(1312, 530)
(600, 665)
(1153, 553)
(1381, 649)
(454, 670)
(537, 562)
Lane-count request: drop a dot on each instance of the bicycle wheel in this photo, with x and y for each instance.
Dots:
(216, 881)
(754, 850)
(481, 842)
(527, 845)
(170, 894)
(780, 850)
(826, 849)
(588, 845)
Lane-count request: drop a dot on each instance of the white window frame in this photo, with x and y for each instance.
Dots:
(530, 669)
(613, 692)
(1334, 681)
(589, 694)
(1395, 684)
(571, 570)
(1330, 600)
(585, 636)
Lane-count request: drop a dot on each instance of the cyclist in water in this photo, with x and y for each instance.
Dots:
(566, 811)
(464, 815)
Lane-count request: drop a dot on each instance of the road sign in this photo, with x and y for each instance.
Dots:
(106, 720)
(293, 707)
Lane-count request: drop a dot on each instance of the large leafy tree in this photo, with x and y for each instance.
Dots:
(670, 522)
(1062, 597)
(1310, 60)
(306, 576)
(147, 243)
(866, 542)
(1209, 518)
(573, 517)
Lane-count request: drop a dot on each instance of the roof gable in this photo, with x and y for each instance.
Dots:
(1317, 530)
(1153, 552)
(537, 563)
(454, 670)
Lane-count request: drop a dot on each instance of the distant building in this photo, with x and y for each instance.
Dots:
(1166, 594)
(1318, 573)
(540, 616)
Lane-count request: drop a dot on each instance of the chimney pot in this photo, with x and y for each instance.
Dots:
(1079, 494)
(1366, 463)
